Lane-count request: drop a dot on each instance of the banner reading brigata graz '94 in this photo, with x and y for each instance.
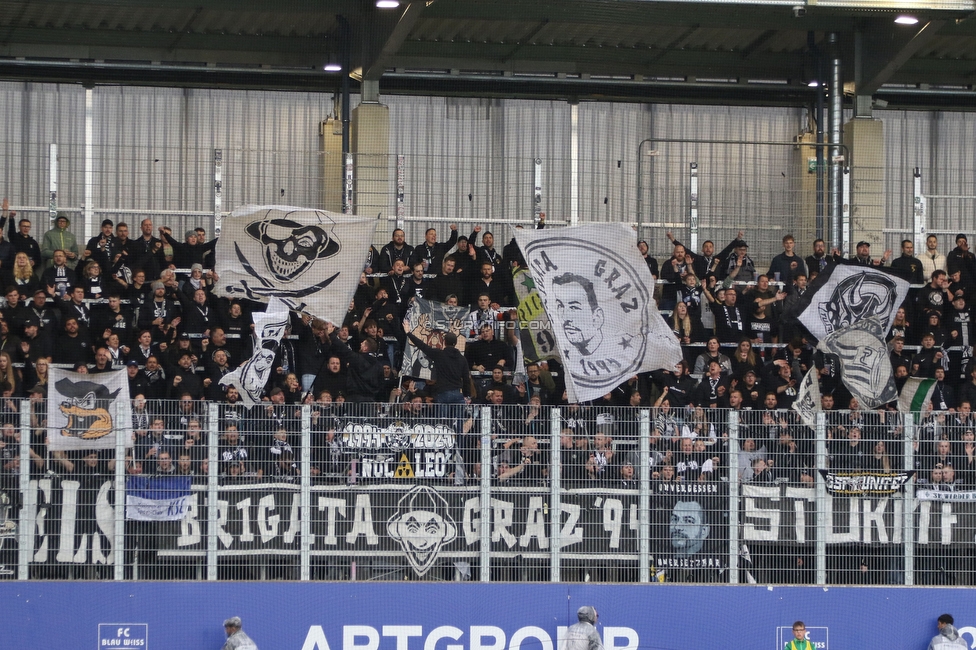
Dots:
(598, 293)
(384, 521)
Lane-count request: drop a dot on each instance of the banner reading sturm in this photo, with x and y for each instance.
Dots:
(310, 259)
(598, 293)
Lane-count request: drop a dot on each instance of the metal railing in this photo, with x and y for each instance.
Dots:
(381, 491)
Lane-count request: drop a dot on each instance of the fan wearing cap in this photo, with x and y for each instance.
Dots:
(863, 256)
(928, 358)
(32, 344)
(236, 638)
(961, 259)
(740, 267)
(60, 238)
(102, 247)
(190, 252)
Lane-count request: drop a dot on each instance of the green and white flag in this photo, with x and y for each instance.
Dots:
(914, 395)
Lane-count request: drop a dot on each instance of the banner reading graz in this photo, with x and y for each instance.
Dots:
(75, 524)
(374, 519)
(786, 515)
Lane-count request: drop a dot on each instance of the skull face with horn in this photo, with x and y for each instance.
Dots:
(290, 248)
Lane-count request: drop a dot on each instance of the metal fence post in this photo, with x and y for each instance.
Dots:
(909, 496)
(644, 499)
(733, 497)
(556, 501)
(305, 497)
(920, 217)
(52, 205)
(218, 189)
(693, 205)
(820, 499)
(122, 414)
(28, 507)
(212, 470)
(485, 532)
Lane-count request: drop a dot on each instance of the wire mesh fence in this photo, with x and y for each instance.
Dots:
(432, 492)
(765, 188)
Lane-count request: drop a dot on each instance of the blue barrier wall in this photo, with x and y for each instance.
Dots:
(316, 616)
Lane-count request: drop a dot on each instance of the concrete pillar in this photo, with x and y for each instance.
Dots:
(865, 140)
(805, 163)
(330, 139)
(373, 192)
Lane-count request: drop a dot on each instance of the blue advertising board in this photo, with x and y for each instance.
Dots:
(469, 616)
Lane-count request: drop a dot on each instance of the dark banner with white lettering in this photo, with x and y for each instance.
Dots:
(689, 530)
(787, 515)
(73, 523)
(418, 523)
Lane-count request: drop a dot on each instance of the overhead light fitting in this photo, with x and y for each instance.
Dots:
(387, 4)
(333, 67)
(906, 20)
(813, 84)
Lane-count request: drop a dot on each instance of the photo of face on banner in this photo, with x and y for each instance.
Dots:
(689, 531)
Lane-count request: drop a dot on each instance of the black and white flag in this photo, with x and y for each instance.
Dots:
(428, 321)
(88, 411)
(845, 294)
(807, 403)
(865, 367)
(598, 293)
(252, 376)
(310, 259)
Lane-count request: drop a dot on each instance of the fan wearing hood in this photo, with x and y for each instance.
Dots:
(948, 637)
(583, 635)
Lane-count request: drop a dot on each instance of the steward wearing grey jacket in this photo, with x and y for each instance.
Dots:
(236, 639)
(583, 635)
(948, 637)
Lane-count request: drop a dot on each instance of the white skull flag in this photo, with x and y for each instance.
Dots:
(251, 377)
(598, 293)
(310, 259)
(846, 293)
(88, 411)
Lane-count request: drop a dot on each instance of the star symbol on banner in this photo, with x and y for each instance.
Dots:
(625, 341)
(528, 282)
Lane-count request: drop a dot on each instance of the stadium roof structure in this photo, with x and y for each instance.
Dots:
(765, 52)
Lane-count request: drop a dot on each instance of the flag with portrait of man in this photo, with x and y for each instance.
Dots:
(599, 296)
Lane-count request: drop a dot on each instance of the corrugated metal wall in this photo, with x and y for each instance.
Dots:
(470, 160)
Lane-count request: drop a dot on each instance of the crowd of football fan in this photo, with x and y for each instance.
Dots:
(146, 303)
